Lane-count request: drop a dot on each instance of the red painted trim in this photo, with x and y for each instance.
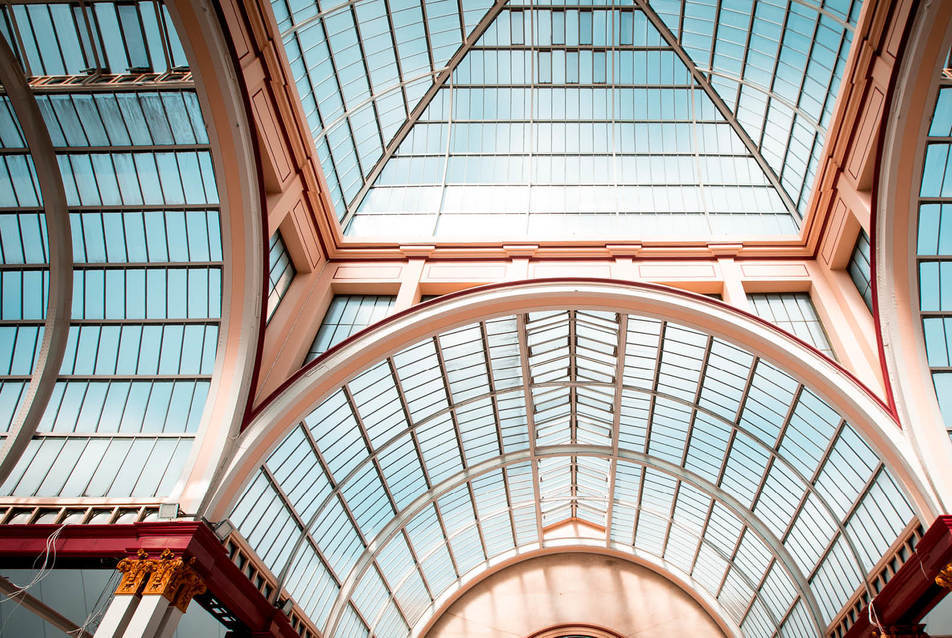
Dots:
(262, 194)
(567, 280)
(96, 544)
(912, 591)
(874, 207)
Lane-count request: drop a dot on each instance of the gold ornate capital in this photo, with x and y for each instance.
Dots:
(135, 572)
(168, 575)
(944, 579)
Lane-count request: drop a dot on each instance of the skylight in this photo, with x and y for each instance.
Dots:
(462, 449)
(639, 119)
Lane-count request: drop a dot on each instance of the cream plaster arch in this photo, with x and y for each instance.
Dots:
(830, 381)
(896, 213)
(667, 571)
(224, 105)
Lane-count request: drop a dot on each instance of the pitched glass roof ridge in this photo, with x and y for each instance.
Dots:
(366, 71)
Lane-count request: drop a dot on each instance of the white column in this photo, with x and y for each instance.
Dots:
(117, 616)
(171, 621)
(150, 617)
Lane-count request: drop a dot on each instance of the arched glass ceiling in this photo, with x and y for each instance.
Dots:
(934, 246)
(136, 166)
(466, 447)
(464, 119)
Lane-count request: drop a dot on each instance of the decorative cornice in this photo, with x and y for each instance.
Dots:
(944, 577)
(169, 575)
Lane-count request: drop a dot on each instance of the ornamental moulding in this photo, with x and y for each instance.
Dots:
(168, 575)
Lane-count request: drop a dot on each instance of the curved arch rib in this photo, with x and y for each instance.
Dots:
(59, 301)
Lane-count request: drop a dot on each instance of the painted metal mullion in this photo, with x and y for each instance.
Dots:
(680, 35)
(757, 588)
(773, 74)
(305, 533)
(375, 460)
(746, 56)
(695, 141)
(108, 87)
(15, 30)
(702, 377)
(305, 536)
(717, 26)
(163, 35)
(774, 454)
(532, 129)
(325, 468)
(530, 420)
(340, 91)
(653, 393)
(425, 23)
(396, 55)
(620, 355)
(803, 81)
(573, 414)
(701, 535)
(119, 435)
(652, 398)
(841, 532)
(446, 154)
(370, 88)
(595, 48)
(498, 422)
(405, 407)
(462, 20)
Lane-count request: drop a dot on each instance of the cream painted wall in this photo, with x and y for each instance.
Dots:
(575, 588)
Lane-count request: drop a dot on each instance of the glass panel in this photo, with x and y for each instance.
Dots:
(94, 37)
(795, 313)
(859, 268)
(934, 250)
(425, 417)
(280, 272)
(580, 140)
(147, 282)
(346, 315)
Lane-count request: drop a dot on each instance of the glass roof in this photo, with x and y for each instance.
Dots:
(641, 119)
(136, 167)
(464, 448)
(24, 273)
(934, 245)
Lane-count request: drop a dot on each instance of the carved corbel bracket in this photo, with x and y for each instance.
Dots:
(168, 575)
(944, 577)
